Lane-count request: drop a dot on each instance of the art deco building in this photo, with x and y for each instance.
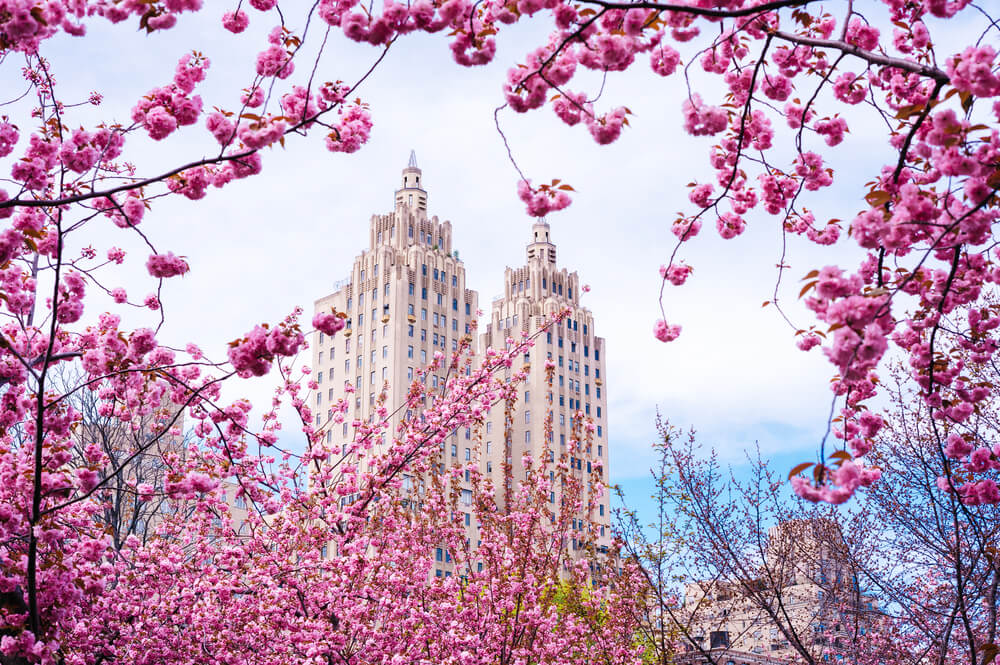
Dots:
(533, 294)
(406, 298)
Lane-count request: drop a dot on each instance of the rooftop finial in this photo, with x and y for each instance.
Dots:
(413, 159)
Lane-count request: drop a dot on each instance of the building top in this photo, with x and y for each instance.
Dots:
(412, 196)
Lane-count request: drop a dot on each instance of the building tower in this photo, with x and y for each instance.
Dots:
(405, 299)
(533, 293)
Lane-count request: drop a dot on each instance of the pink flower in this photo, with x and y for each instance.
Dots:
(664, 60)
(808, 341)
(607, 128)
(542, 201)
(972, 71)
(861, 34)
(664, 332)
(849, 88)
(8, 138)
(702, 120)
(327, 323)
(119, 295)
(676, 274)
(166, 265)
(235, 22)
(730, 225)
(86, 479)
(833, 129)
(274, 61)
(685, 229)
(159, 123)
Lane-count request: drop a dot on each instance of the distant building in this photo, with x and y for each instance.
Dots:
(808, 584)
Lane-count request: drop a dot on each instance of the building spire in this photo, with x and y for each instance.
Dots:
(541, 246)
(412, 194)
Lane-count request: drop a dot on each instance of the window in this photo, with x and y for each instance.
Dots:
(527, 417)
(423, 293)
(423, 313)
(440, 299)
(468, 454)
(319, 399)
(358, 365)
(468, 309)
(423, 356)
(423, 334)
(347, 365)
(329, 393)
(319, 376)
(409, 352)
(409, 373)
(349, 304)
(385, 291)
(410, 289)
(385, 352)
(409, 330)
(437, 319)
(599, 430)
(454, 450)
(597, 354)
(527, 436)
(371, 379)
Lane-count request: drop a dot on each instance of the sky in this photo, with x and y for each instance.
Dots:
(262, 246)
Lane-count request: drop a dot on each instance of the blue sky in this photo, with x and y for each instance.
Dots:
(734, 374)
